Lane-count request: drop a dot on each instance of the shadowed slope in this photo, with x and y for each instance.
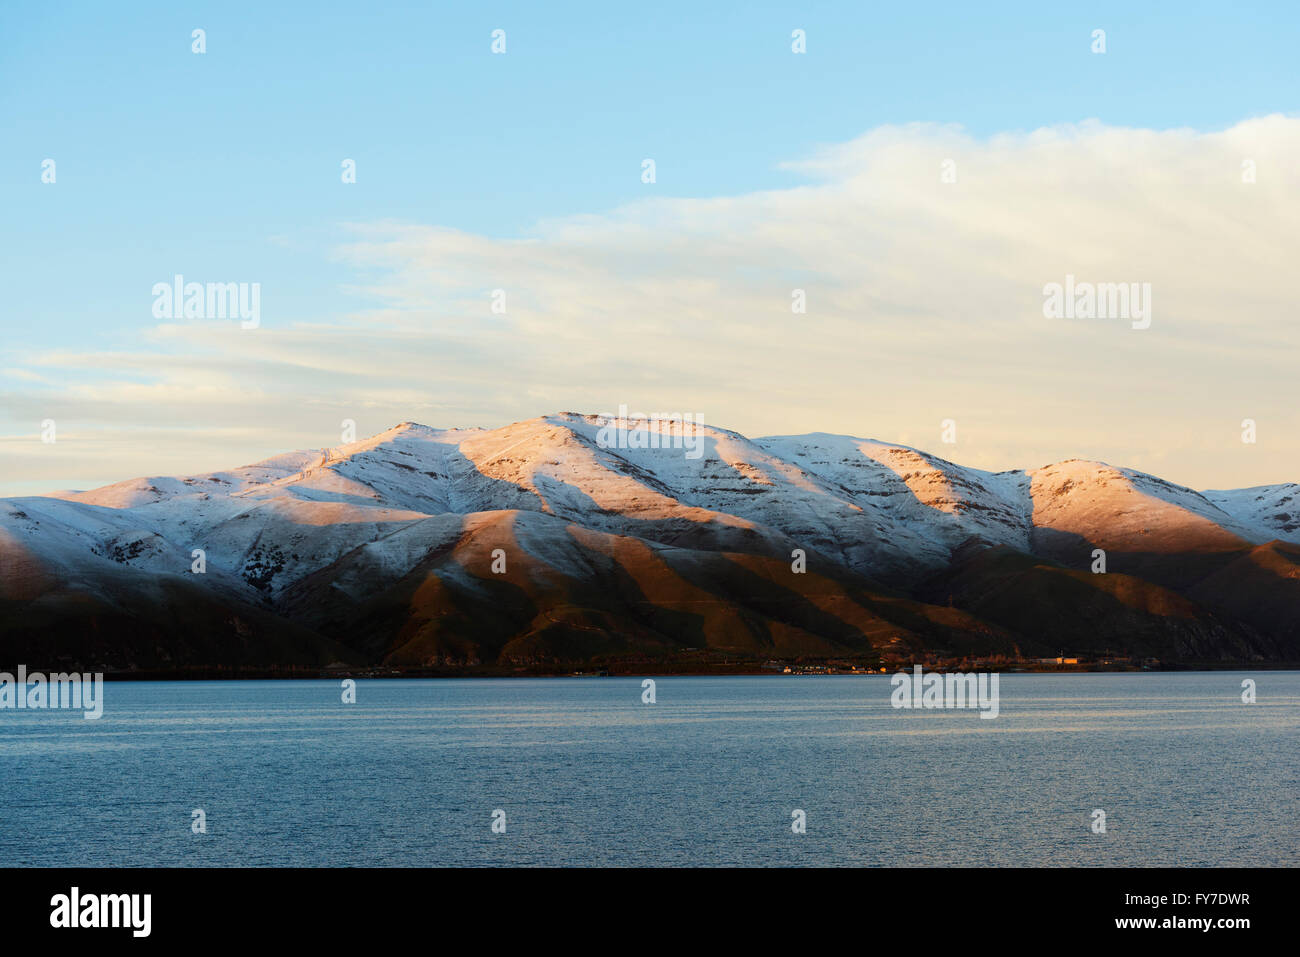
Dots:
(625, 539)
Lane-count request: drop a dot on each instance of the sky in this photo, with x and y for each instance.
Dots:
(921, 172)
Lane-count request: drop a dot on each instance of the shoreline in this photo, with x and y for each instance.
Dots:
(319, 674)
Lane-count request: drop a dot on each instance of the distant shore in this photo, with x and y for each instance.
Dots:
(661, 669)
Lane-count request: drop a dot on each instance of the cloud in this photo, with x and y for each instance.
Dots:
(924, 303)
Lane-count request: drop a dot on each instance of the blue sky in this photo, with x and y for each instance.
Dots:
(226, 165)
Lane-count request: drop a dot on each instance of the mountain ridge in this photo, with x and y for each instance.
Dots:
(899, 550)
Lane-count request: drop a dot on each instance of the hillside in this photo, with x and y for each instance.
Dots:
(545, 545)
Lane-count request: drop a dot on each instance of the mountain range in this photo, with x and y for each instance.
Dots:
(543, 545)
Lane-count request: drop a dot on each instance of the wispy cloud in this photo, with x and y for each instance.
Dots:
(924, 303)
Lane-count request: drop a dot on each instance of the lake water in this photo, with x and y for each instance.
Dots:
(710, 774)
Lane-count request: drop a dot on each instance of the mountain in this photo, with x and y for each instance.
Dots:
(564, 540)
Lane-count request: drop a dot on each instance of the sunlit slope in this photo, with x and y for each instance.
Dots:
(562, 538)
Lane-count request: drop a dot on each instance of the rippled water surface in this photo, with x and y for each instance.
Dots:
(587, 774)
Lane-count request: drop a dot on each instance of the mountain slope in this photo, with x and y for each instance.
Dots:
(620, 539)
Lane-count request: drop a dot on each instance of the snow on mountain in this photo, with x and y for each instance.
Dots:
(921, 505)
(1126, 510)
(627, 538)
(881, 510)
(1267, 511)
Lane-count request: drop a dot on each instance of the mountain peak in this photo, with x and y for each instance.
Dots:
(609, 533)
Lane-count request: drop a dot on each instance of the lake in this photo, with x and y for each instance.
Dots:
(710, 774)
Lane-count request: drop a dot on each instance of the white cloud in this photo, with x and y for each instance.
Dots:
(924, 303)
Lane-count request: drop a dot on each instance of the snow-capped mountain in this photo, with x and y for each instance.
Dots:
(563, 537)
